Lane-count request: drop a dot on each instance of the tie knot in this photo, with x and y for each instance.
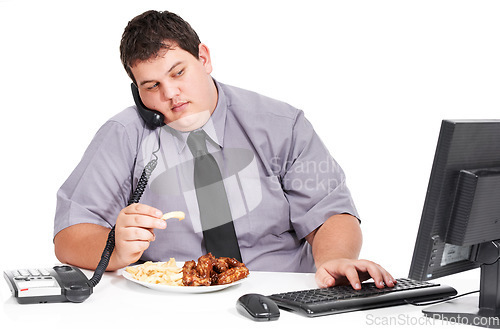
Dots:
(197, 143)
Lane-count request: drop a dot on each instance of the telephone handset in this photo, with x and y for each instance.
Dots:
(64, 283)
(152, 118)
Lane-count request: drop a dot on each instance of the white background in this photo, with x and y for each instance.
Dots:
(374, 77)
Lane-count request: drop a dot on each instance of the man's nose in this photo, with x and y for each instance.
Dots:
(170, 91)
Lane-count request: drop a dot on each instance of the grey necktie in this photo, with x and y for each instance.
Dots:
(215, 215)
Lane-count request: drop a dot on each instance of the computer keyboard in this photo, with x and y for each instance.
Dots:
(340, 299)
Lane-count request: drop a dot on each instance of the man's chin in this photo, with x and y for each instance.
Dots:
(190, 122)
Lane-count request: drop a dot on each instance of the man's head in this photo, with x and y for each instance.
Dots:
(153, 31)
(164, 57)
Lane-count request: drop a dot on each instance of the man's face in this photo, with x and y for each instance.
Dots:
(178, 85)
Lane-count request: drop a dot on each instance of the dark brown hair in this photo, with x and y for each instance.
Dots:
(149, 33)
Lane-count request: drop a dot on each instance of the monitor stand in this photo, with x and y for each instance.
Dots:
(482, 312)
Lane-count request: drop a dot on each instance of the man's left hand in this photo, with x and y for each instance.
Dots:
(344, 271)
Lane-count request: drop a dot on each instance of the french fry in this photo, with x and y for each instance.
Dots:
(174, 214)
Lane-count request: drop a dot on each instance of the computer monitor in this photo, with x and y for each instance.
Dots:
(460, 224)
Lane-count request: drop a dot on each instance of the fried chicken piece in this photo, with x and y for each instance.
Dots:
(231, 262)
(220, 265)
(205, 265)
(190, 277)
(189, 267)
(232, 275)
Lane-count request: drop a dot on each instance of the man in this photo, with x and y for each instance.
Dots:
(289, 204)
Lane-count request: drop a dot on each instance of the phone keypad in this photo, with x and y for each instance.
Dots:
(35, 281)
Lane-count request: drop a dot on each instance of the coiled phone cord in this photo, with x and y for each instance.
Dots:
(136, 196)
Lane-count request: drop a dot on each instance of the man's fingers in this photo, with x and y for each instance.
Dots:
(145, 222)
(353, 272)
(142, 209)
(137, 234)
(352, 275)
(137, 248)
(366, 269)
(380, 276)
(324, 279)
(135, 227)
(141, 215)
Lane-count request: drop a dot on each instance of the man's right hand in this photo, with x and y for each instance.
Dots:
(82, 244)
(134, 230)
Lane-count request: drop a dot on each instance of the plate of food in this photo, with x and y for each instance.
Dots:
(208, 275)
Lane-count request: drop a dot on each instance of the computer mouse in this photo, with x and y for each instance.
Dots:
(258, 307)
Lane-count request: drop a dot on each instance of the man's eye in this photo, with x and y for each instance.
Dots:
(153, 86)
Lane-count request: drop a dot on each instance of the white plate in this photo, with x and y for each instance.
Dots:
(181, 289)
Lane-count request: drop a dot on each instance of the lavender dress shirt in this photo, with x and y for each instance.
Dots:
(281, 181)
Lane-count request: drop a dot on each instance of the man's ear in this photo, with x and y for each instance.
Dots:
(204, 57)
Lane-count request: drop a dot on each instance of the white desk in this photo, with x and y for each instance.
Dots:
(124, 304)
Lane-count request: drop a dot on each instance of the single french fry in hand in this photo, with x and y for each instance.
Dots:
(174, 214)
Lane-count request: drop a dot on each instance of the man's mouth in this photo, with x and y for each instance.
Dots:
(177, 107)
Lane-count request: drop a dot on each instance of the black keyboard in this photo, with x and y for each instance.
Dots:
(340, 299)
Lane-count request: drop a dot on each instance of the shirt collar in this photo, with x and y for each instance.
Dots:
(214, 128)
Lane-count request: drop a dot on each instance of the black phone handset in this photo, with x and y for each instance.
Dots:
(153, 120)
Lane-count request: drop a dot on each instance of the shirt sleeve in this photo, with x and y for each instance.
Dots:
(313, 182)
(100, 185)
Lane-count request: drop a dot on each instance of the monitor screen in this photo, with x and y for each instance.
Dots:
(448, 235)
